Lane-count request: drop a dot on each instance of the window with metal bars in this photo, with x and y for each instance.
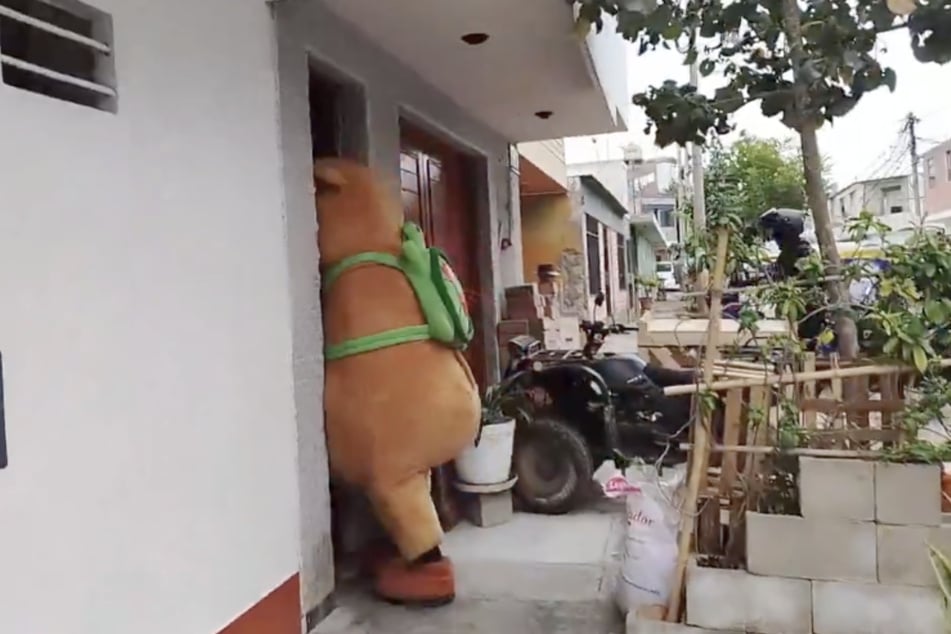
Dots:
(58, 48)
(622, 261)
(593, 247)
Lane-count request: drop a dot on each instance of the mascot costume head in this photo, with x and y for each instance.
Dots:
(400, 398)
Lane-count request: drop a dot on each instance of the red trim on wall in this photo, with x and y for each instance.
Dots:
(277, 613)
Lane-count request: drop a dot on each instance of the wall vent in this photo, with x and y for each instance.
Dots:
(58, 48)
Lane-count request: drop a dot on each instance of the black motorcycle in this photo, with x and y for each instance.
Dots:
(577, 409)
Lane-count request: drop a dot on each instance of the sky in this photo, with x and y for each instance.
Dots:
(858, 146)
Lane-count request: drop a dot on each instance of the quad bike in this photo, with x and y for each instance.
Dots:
(577, 409)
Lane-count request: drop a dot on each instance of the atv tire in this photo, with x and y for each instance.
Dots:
(554, 467)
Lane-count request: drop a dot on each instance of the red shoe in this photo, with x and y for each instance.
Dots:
(425, 585)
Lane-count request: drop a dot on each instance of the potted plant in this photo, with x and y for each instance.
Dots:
(489, 459)
(648, 287)
(942, 571)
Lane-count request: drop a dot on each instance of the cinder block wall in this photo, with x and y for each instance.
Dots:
(855, 562)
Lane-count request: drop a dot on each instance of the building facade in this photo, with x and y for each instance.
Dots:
(936, 183)
(890, 199)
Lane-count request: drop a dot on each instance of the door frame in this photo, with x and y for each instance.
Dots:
(429, 138)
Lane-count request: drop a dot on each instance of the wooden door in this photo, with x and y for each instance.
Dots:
(435, 195)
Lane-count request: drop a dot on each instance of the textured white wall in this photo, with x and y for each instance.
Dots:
(145, 329)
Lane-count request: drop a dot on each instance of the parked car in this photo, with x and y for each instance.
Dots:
(666, 277)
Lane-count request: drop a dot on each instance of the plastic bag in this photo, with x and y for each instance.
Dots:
(649, 557)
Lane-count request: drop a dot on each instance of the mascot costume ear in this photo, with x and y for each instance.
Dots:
(327, 177)
(399, 396)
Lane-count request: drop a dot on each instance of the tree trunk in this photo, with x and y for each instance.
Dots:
(805, 123)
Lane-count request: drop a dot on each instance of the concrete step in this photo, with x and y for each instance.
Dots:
(495, 616)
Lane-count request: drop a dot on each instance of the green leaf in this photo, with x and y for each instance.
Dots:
(707, 66)
(921, 359)
(889, 348)
(934, 311)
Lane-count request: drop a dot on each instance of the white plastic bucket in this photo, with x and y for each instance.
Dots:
(489, 462)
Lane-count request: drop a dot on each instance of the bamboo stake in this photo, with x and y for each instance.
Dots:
(701, 453)
(792, 451)
(789, 377)
(744, 365)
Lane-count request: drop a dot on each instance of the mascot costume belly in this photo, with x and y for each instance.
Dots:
(400, 398)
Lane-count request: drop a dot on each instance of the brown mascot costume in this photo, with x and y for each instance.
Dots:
(400, 398)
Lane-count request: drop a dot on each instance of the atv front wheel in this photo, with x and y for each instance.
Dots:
(554, 466)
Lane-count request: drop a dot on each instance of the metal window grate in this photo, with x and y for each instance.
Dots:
(60, 49)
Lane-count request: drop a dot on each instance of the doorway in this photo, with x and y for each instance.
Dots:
(337, 115)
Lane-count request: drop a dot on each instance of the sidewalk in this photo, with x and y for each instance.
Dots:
(536, 574)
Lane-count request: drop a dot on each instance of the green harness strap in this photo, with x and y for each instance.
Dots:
(369, 343)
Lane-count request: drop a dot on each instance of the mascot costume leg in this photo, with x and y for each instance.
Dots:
(400, 398)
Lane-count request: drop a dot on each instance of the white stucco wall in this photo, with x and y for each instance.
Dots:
(145, 331)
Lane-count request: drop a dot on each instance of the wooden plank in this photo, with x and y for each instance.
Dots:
(708, 525)
(732, 421)
(759, 399)
(859, 417)
(860, 435)
(837, 422)
(689, 333)
(664, 357)
(809, 391)
(832, 406)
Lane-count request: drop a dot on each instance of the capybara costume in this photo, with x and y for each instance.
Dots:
(400, 398)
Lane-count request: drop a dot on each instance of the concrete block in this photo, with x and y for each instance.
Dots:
(908, 494)
(837, 489)
(903, 553)
(859, 608)
(739, 601)
(792, 546)
(490, 509)
(641, 626)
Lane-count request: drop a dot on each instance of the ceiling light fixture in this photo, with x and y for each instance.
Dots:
(474, 39)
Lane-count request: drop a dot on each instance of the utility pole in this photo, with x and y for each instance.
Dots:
(699, 201)
(910, 123)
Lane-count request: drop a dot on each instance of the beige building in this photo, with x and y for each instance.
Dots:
(936, 183)
(890, 198)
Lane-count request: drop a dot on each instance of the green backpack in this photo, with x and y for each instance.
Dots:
(437, 289)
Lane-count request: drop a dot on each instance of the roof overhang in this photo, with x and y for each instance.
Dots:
(605, 194)
(647, 226)
(542, 168)
(531, 63)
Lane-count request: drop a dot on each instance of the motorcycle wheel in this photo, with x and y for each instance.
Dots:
(554, 466)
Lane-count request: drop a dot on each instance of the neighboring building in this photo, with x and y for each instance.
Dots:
(161, 315)
(654, 183)
(583, 231)
(936, 183)
(889, 198)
